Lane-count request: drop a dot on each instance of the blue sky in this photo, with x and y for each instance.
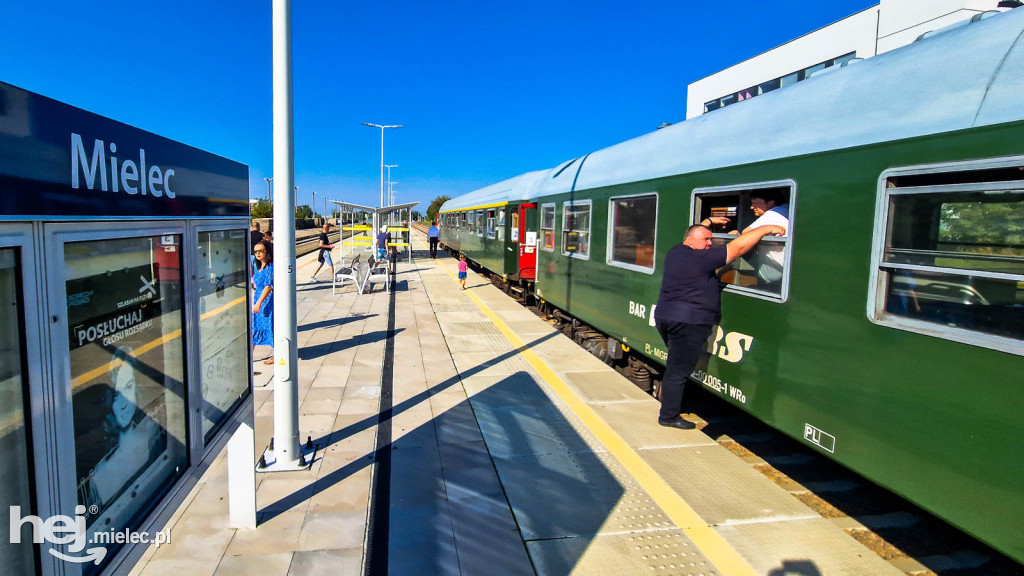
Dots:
(486, 90)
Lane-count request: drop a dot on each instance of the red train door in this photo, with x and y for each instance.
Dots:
(527, 231)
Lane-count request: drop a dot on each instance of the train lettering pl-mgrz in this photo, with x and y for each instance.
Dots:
(132, 177)
(655, 351)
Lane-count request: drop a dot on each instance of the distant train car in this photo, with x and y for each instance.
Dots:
(886, 328)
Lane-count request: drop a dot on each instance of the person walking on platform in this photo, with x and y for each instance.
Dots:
(268, 242)
(383, 239)
(690, 304)
(325, 254)
(263, 300)
(463, 271)
(433, 236)
(255, 236)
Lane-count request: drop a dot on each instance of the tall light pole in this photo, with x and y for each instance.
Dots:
(270, 183)
(391, 200)
(382, 127)
(285, 452)
(314, 206)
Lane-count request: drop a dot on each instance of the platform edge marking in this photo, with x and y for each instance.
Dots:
(719, 552)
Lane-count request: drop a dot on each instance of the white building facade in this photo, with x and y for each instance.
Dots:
(880, 28)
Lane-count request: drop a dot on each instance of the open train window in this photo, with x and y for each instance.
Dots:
(576, 229)
(948, 256)
(490, 224)
(547, 227)
(480, 223)
(764, 271)
(500, 229)
(633, 224)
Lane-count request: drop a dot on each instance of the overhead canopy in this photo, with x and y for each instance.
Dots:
(351, 206)
(384, 210)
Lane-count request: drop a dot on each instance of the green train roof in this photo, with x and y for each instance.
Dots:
(968, 76)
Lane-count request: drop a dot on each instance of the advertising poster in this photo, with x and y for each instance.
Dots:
(127, 378)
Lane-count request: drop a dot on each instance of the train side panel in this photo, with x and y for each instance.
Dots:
(934, 420)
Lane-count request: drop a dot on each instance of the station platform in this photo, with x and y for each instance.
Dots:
(509, 450)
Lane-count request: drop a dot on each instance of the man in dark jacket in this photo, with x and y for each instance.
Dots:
(690, 304)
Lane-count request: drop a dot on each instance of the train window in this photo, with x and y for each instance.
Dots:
(472, 223)
(547, 227)
(223, 332)
(632, 231)
(951, 258)
(576, 229)
(490, 224)
(501, 224)
(763, 272)
(480, 223)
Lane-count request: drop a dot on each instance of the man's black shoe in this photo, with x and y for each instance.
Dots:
(677, 422)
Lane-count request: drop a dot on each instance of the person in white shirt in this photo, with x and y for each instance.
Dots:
(771, 210)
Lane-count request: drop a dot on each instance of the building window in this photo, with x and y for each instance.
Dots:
(951, 259)
(127, 368)
(576, 229)
(223, 325)
(764, 271)
(632, 230)
(16, 489)
(547, 227)
(776, 83)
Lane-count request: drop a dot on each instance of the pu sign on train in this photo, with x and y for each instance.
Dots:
(124, 174)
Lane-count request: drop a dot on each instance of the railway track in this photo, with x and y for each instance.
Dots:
(907, 536)
(307, 244)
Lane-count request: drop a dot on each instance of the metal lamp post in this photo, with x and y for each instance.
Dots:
(314, 206)
(270, 182)
(382, 127)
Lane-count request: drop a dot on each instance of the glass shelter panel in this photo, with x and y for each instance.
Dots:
(15, 475)
(956, 260)
(634, 221)
(124, 299)
(223, 330)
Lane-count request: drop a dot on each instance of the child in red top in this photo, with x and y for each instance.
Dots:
(462, 271)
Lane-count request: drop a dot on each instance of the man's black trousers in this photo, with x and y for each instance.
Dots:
(685, 343)
(433, 246)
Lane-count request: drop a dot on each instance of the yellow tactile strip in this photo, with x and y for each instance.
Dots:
(725, 559)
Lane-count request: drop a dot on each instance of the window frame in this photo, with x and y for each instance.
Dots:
(480, 223)
(878, 281)
(783, 296)
(590, 236)
(490, 216)
(554, 219)
(610, 250)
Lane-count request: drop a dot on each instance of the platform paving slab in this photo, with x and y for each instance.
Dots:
(492, 470)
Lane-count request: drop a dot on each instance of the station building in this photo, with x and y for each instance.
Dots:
(885, 26)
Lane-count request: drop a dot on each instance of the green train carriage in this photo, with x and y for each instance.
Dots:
(891, 338)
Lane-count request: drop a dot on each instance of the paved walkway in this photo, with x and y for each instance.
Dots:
(513, 452)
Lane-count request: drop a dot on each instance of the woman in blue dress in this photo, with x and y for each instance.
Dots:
(263, 300)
